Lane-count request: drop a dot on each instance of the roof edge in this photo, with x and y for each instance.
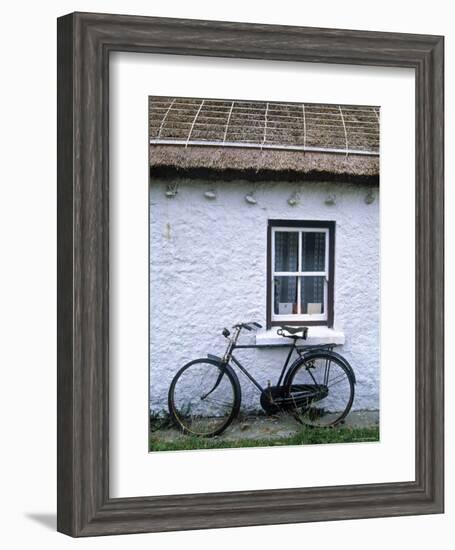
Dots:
(168, 172)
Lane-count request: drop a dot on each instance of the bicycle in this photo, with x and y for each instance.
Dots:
(317, 388)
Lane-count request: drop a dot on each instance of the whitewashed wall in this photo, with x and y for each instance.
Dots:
(208, 270)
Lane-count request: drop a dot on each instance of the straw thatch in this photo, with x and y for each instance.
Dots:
(253, 140)
(256, 165)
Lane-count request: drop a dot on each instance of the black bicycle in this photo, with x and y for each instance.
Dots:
(317, 388)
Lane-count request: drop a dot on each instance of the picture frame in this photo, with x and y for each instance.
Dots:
(85, 507)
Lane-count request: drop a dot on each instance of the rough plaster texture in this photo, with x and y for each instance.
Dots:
(208, 271)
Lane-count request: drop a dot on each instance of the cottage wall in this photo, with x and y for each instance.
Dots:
(208, 271)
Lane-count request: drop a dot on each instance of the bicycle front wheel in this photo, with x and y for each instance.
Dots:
(204, 398)
(320, 391)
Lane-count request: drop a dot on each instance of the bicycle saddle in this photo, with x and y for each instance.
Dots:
(293, 332)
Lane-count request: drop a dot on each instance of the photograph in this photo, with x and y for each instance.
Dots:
(264, 264)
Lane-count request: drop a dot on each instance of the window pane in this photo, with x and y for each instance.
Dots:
(286, 250)
(313, 251)
(285, 295)
(312, 295)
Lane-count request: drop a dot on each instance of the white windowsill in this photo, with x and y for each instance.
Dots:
(316, 335)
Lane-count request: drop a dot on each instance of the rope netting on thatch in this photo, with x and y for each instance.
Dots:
(264, 125)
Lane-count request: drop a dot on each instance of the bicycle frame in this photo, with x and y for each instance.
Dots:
(302, 350)
(250, 376)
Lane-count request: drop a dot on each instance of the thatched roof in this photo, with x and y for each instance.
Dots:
(260, 140)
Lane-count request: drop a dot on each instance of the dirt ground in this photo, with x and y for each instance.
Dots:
(273, 427)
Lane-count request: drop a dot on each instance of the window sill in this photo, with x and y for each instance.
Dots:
(316, 335)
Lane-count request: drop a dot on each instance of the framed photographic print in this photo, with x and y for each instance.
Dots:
(250, 252)
(243, 223)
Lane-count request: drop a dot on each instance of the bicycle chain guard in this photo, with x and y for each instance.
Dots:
(269, 397)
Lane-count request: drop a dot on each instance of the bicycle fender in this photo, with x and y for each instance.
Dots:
(224, 366)
(214, 358)
(314, 353)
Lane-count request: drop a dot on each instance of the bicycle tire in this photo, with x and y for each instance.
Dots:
(312, 402)
(202, 416)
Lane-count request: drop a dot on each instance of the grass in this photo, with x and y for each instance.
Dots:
(305, 436)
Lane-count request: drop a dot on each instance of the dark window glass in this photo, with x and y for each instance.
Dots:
(286, 250)
(285, 295)
(313, 251)
(312, 295)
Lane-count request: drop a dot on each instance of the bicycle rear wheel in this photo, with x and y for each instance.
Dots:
(321, 390)
(204, 398)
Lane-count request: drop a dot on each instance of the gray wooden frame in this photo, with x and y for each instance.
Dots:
(84, 44)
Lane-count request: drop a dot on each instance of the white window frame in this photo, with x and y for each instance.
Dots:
(299, 274)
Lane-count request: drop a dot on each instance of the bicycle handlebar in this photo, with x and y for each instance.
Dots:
(250, 325)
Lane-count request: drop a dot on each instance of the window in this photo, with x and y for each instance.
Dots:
(300, 272)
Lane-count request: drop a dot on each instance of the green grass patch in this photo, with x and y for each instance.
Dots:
(304, 436)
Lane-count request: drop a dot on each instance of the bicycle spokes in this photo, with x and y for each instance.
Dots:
(203, 398)
(321, 391)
